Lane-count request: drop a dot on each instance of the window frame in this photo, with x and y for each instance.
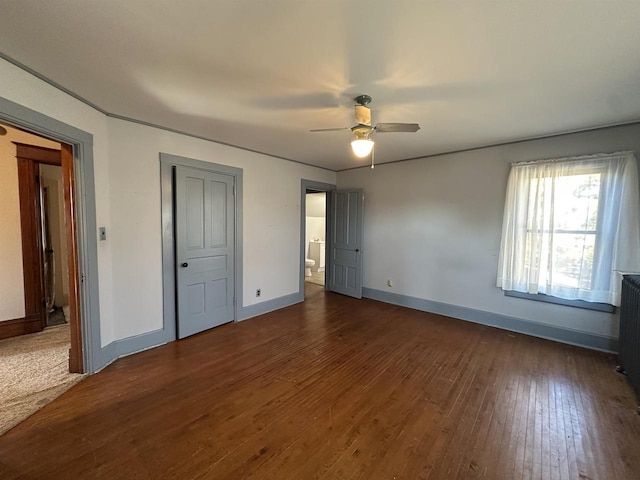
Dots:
(543, 297)
(618, 244)
(587, 170)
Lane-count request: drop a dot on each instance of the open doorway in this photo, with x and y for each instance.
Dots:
(87, 353)
(315, 244)
(315, 237)
(40, 342)
(54, 248)
(343, 258)
(37, 274)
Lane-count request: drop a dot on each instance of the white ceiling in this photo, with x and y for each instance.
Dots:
(260, 73)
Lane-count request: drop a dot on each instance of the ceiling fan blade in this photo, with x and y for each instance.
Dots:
(396, 127)
(329, 129)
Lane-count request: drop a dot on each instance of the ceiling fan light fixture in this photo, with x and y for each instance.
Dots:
(361, 147)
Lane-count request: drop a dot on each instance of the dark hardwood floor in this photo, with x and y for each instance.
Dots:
(337, 388)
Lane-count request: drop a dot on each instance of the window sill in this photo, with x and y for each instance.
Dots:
(541, 297)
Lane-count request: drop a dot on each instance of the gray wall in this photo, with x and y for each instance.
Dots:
(433, 227)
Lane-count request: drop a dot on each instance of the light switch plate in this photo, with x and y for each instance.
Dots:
(103, 233)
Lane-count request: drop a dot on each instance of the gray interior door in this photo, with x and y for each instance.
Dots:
(204, 249)
(345, 259)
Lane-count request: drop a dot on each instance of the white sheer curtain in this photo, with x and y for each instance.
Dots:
(569, 225)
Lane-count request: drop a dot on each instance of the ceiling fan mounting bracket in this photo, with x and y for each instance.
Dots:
(363, 100)
(362, 131)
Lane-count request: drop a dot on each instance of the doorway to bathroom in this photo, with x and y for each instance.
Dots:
(315, 219)
(315, 237)
(340, 253)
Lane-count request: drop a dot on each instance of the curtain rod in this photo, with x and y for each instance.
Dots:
(595, 156)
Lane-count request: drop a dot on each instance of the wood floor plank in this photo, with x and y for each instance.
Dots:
(338, 388)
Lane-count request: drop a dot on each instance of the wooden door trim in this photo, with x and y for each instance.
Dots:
(28, 158)
(20, 326)
(37, 154)
(31, 241)
(68, 186)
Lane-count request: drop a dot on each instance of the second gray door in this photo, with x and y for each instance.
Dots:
(205, 257)
(345, 259)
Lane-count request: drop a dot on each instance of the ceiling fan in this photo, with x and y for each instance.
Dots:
(363, 145)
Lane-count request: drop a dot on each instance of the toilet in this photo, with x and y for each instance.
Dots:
(308, 263)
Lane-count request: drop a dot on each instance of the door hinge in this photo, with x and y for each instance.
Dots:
(82, 278)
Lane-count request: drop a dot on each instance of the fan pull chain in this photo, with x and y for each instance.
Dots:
(373, 149)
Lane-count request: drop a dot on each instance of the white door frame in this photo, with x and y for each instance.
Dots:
(318, 187)
(167, 185)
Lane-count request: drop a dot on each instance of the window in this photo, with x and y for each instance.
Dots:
(569, 225)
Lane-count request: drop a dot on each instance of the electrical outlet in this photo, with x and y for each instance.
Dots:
(389, 283)
(258, 292)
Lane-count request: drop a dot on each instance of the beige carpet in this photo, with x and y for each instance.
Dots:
(34, 370)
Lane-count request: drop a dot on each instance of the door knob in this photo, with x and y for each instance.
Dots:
(185, 264)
